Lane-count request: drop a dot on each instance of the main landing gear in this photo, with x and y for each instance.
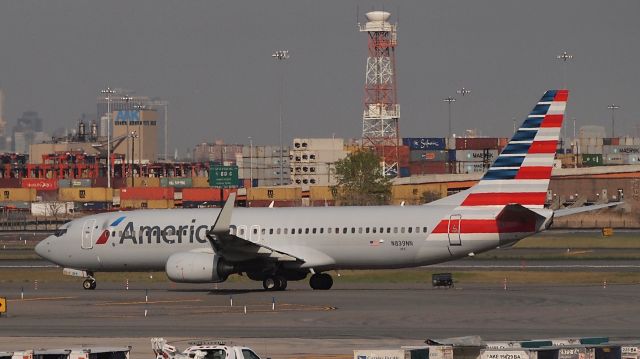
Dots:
(321, 281)
(89, 283)
(275, 283)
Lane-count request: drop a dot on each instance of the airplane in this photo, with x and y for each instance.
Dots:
(277, 245)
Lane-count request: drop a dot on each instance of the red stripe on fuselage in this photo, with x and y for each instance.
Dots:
(552, 121)
(543, 147)
(534, 172)
(493, 199)
(469, 226)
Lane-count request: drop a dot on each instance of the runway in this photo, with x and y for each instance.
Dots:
(400, 311)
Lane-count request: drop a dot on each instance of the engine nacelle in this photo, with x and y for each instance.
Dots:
(189, 267)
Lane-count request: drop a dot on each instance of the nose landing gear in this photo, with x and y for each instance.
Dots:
(89, 283)
(321, 281)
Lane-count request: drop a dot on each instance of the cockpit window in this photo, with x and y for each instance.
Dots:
(60, 232)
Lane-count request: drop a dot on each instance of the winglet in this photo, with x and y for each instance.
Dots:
(223, 222)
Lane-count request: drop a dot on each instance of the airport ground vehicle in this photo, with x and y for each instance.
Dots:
(201, 350)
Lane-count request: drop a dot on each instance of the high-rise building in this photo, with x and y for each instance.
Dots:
(139, 133)
(27, 131)
(3, 125)
(312, 160)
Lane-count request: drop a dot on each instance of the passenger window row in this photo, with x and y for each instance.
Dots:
(329, 230)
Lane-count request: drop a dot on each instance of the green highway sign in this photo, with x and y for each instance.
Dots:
(223, 176)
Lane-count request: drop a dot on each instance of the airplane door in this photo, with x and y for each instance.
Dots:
(87, 233)
(254, 233)
(454, 230)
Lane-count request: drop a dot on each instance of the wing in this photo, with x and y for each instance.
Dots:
(234, 248)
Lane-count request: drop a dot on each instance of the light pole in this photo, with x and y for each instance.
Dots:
(108, 91)
(613, 107)
(281, 55)
(126, 99)
(133, 135)
(564, 56)
(251, 161)
(449, 100)
(576, 145)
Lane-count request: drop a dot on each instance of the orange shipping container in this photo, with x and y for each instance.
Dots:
(200, 181)
(149, 193)
(148, 204)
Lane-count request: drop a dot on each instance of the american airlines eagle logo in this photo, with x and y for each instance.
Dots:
(104, 237)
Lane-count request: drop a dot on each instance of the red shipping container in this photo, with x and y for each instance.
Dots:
(40, 184)
(389, 154)
(116, 182)
(9, 183)
(205, 194)
(476, 143)
(149, 193)
(427, 168)
(615, 141)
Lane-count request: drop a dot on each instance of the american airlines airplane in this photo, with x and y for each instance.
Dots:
(276, 245)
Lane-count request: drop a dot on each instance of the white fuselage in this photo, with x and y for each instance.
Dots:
(324, 238)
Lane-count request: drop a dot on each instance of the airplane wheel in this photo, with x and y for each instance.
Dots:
(268, 283)
(282, 283)
(321, 281)
(89, 284)
(274, 283)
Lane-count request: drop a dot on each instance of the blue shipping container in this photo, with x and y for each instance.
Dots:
(424, 143)
(404, 172)
(452, 156)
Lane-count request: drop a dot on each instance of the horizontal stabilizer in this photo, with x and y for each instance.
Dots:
(595, 207)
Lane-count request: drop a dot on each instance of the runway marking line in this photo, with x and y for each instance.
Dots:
(39, 298)
(149, 302)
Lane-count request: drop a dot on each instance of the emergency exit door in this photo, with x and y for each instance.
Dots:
(87, 233)
(455, 221)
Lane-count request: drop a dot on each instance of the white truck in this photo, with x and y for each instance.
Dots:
(201, 350)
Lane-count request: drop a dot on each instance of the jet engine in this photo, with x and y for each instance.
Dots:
(189, 267)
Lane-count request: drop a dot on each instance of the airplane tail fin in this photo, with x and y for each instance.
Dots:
(521, 173)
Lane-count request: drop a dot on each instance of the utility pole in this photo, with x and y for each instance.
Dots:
(126, 99)
(133, 136)
(613, 108)
(449, 100)
(251, 161)
(108, 91)
(280, 56)
(564, 56)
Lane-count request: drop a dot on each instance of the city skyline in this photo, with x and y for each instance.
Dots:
(212, 63)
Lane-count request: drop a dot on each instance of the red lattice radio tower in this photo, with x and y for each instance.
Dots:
(381, 109)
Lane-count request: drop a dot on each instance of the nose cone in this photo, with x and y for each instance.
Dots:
(42, 248)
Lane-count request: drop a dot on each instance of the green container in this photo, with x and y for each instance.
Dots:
(177, 182)
(594, 340)
(532, 344)
(592, 160)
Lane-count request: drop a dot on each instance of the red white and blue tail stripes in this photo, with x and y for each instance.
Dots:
(520, 175)
(522, 171)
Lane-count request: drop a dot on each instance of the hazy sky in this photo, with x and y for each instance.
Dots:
(212, 61)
